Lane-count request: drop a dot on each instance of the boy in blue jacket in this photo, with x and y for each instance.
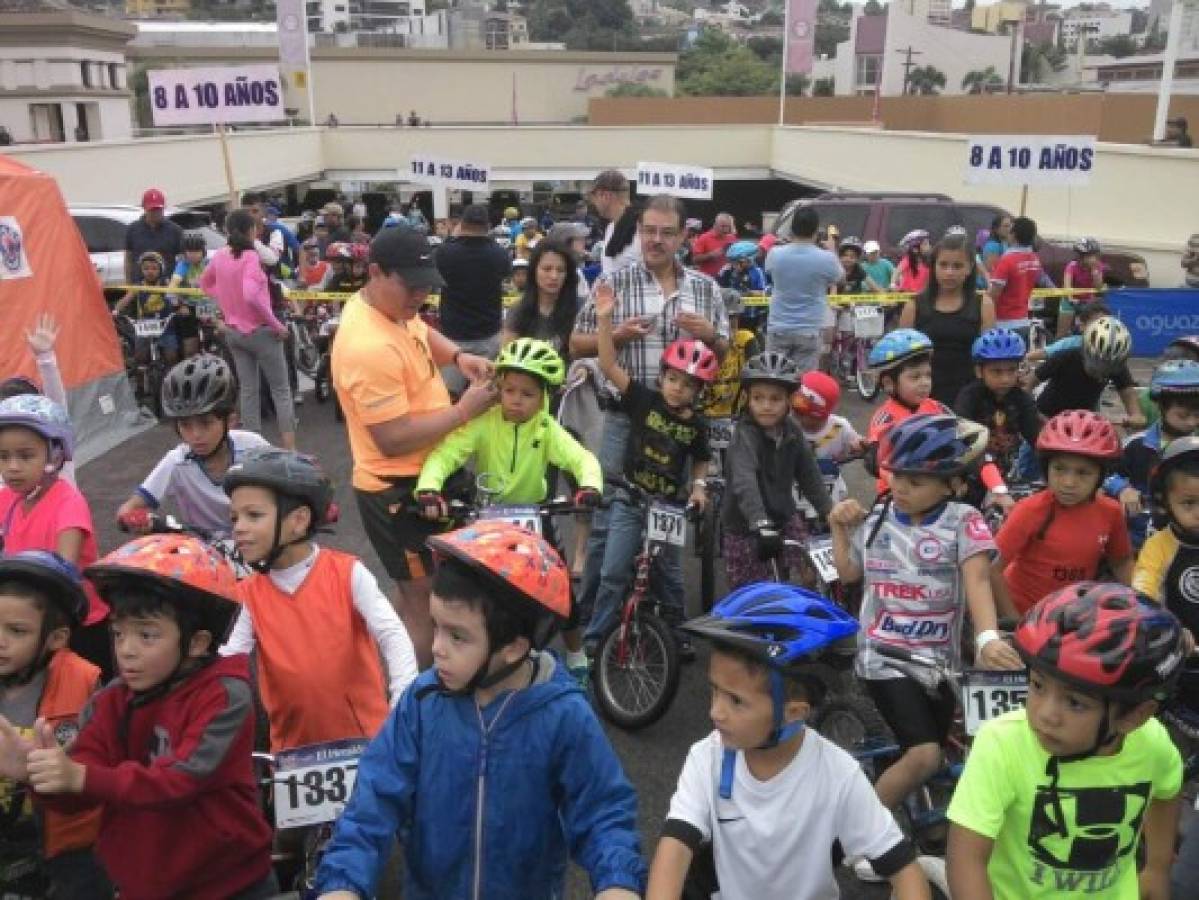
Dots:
(492, 767)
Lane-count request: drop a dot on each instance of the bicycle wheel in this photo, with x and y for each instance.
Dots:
(850, 722)
(308, 357)
(866, 378)
(636, 671)
(154, 375)
(708, 547)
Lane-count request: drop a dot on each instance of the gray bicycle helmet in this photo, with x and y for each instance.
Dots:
(199, 385)
(293, 477)
(771, 367)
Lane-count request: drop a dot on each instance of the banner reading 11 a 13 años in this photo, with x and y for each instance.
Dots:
(801, 35)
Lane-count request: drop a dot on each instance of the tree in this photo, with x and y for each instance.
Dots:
(717, 66)
(872, 8)
(1038, 60)
(797, 85)
(982, 81)
(582, 24)
(767, 49)
(1118, 45)
(830, 33)
(771, 19)
(823, 87)
(925, 80)
(633, 89)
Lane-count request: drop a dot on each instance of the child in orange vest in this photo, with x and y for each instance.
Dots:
(41, 600)
(316, 616)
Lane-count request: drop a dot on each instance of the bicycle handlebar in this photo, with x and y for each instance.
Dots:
(156, 523)
(691, 510)
(899, 653)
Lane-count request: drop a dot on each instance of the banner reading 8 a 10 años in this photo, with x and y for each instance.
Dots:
(215, 96)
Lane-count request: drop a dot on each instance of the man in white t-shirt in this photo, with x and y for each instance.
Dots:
(769, 795)
(610, 195)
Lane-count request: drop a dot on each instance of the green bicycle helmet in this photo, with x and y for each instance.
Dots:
(533, 357)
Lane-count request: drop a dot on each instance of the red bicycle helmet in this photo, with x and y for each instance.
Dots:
(1104, 640)
(183, 569)
(1082, 433)
(818, 395)
(691, 358)
(522, 566)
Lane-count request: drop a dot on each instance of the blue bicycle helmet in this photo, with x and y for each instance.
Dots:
(49, 573)
(897, 347)
(998, 345)
(741, 250)
(785, 627)
(1178, 377)
(932, 445)
(43, 416)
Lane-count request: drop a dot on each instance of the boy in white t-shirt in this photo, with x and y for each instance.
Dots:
(768, 795)
(199, 395)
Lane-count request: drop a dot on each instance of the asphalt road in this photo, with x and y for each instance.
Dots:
(652, 757)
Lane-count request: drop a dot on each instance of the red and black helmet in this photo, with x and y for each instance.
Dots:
(1082, 433)
(1105, 640)
(692, 358)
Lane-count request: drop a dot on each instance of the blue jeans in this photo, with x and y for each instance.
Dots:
(626, 522)
(611, 459)
(1185, 873)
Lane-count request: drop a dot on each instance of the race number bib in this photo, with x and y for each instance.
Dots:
(820, 550)
(526, 517)
(666, 525)
(149, 328)
(988, 694)
(314, 783)
(720, 433)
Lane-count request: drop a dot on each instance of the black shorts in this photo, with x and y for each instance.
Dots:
(397, 535)
(913, 714)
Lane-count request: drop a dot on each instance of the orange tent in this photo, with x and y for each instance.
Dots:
(45, 268)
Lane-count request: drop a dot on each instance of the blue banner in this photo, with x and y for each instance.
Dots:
(1155, 317)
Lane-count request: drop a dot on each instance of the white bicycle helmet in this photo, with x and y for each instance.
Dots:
(1106, 342)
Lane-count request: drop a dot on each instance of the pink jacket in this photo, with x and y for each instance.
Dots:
(239, 287)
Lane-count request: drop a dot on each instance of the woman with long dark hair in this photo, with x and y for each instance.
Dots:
(952, 312)
(236, 280)
(548, 307)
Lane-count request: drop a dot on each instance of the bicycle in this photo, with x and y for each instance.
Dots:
(636, 666)
(707, 529)
(851, 347)
(144, 364)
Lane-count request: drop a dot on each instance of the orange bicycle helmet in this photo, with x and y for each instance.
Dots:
(523, 567)
(182, 569)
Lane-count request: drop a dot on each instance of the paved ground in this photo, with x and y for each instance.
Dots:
(652, 757)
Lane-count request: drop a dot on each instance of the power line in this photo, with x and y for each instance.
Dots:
(908, 65)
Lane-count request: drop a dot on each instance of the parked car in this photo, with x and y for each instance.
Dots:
(887, 217)
(103, 230)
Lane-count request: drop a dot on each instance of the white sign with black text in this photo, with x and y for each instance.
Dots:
(1055, 161)
(455, 174)
(215, 96)
(683, 181)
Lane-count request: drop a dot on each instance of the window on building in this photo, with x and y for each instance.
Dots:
(46, 122)
(867, 69)
(495, 36)
(114, 76)
(85, 71)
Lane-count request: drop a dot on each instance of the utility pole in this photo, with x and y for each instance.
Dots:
(908, 65)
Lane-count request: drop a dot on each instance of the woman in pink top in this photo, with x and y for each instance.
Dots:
(235, 279)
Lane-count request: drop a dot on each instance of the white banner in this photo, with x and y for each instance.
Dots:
(14, 261)
(292, 25)
(1054, 160)
(455, 174)
(215, 96)
(686, 182)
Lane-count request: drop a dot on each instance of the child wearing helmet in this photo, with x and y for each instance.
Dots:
(724, 398)
(41, 511)
(1087, 314)
(1076, 795)
(306, 603)
(768, 460)
(911, 275)
(996, 400)
(41, 339)
(1075, 379)
(1174, 389)
(151, 272)
(199, 397)
(918, 554)
(857, 280)
(665, 431)
(550, 785)
(791, 791)
(1084, 272)
(165, 749)
(44, 688)
(515, 443)
(188, 268)
(742, 272)
(1062, 534)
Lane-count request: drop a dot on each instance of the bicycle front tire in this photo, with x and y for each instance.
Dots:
(636, 691)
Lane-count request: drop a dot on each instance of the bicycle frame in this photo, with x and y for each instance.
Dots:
(642, 566)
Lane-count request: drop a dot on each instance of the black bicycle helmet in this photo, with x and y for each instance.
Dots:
(289, 474)
(199, 385)
(194, 240)
(771, 367)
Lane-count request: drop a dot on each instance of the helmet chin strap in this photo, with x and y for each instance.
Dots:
(223, 442)
(781, 731)
(1104, 736)
(278, 545)
(483, 679)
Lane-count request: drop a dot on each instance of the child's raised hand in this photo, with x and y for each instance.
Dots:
(847, 514)
(51, 771)
(605, 298)
(14, 751)
(42, 336)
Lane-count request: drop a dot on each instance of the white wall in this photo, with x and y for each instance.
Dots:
(1098, 27)
(953, 52)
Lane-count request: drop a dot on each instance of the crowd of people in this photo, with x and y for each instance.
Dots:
(127, 703)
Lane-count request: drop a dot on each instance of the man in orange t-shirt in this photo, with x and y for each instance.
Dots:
(385, 365)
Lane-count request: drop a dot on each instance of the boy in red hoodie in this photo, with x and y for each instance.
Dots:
(166, 748)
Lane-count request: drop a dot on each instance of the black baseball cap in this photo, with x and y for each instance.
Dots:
(476, 216)
(408, 253)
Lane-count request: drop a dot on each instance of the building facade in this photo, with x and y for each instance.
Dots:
(63, 77)
(1094, 25)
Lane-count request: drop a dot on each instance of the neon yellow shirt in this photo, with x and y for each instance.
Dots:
(1004, 795)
